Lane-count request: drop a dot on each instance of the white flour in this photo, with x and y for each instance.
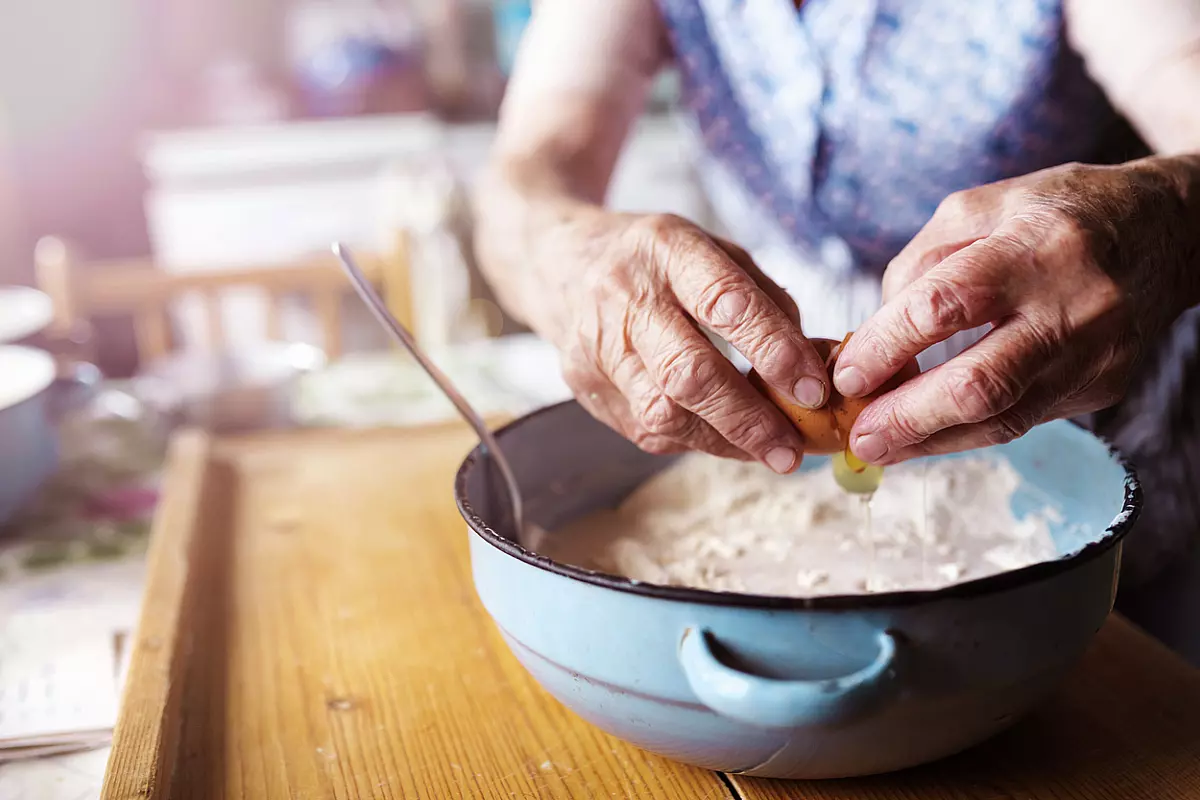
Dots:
(712, 523)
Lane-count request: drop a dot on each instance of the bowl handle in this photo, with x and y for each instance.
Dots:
(775, 703)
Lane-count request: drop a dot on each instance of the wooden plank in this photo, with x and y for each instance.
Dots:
(146, 742)
(337, 648)
(1126, 726)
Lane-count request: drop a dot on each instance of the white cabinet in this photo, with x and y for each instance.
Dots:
(231, 195)
(224, 197)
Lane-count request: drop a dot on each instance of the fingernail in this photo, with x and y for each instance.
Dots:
(782, 460)
(870, 447)
(809, 392)
(850, 381)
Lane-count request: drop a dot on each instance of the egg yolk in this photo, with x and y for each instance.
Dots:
(855, 476)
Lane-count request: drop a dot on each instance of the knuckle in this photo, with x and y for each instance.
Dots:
(777, 358)
(1075, 170)
(689, 378)
(725, 302)
(902, 428)
(1063, 234)
(1067, 235)
(662, 417)
(1112, 300)
(620, 282)
(1019, 197)
(1008, 427)
(978, 393)
(663, 241)
(957, 204)
(657, 228)
(943, 306)
(880, 349)
(752, 432)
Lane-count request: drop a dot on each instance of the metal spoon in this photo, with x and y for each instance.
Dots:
(401, 334)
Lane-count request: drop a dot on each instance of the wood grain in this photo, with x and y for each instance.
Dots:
(146, 742)
(1125, 727)
(310, 630)
(330, 644)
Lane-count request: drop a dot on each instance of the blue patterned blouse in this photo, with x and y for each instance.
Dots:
(832, 132)
(845, 122)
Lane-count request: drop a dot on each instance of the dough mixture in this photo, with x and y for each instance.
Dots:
(719, 524)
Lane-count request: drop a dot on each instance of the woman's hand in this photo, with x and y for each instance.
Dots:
(1075, 268)
(624, 298)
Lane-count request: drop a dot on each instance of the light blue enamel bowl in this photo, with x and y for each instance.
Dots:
(791, 687)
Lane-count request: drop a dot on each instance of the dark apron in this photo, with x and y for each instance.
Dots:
(1157, 427)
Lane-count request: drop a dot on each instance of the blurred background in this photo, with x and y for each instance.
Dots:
(213, 134)
(172, 174)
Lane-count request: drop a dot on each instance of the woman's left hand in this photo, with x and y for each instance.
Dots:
(1076, 268)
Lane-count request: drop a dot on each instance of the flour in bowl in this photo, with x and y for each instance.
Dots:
(725, 525)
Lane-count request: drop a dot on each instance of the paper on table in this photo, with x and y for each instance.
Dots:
(58, 680)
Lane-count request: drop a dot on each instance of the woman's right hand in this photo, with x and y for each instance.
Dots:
(624, 297)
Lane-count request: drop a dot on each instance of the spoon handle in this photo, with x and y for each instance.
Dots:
(401, 335)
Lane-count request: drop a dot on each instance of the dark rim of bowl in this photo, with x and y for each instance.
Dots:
(1115, 532)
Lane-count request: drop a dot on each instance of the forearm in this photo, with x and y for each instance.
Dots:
(547, 171)
(519, 201)
(580, 80)
(1146, 56)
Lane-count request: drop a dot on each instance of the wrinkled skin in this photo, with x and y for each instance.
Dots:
(1077, 268)
(626, 298)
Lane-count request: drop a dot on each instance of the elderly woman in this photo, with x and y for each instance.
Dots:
(910, 169)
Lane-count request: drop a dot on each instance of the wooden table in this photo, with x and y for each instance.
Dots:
(310, 630)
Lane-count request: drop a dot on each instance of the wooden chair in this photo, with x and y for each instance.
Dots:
(83, 291)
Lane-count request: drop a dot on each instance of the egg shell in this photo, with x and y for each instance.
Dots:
(827, 429)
